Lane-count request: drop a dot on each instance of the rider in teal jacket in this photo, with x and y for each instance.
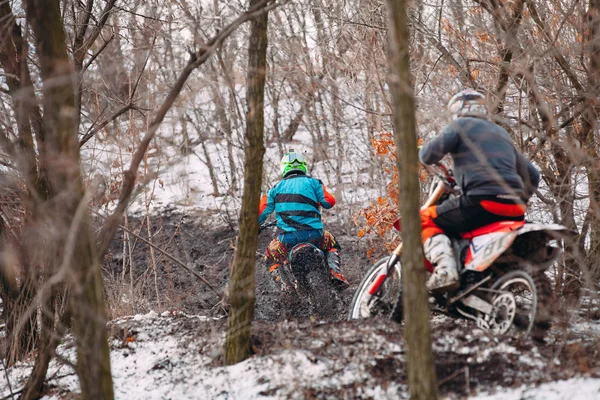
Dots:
(296, 201)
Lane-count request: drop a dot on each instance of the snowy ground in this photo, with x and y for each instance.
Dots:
(178, 356)
(574, 388)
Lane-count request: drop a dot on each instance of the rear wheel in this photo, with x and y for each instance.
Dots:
(521, 305)
(321, 294)
(383, 302)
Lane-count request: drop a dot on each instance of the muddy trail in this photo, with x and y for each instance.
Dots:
(176, 350)
(315, 359)
(138, 279)
(468, 360)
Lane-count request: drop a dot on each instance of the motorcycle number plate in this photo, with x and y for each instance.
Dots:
(486, 248)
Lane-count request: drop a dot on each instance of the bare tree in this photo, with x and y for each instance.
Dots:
(420, 366)
(241, 284)
(67, 209)
(589, 133)
(45, 158)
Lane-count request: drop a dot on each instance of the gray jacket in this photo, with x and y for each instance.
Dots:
(485, 160)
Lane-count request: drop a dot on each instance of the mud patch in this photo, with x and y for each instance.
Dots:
(208, 250)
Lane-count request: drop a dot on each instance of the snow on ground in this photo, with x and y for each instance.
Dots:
(179, 356)
(576, 388)
(158, 357)
(183, 181)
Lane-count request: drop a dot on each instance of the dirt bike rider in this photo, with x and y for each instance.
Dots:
(296, 200)
(495, 178)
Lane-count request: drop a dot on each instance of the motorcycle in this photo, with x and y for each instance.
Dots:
(503, 285)
(306, 276)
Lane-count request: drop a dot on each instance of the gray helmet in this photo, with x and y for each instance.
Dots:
(469, 103)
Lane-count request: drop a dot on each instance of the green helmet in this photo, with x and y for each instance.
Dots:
(293, 162)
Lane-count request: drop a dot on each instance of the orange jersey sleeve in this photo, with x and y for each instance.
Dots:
(263, 204)
(328, 198)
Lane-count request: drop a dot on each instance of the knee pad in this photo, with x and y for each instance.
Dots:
(276, 251)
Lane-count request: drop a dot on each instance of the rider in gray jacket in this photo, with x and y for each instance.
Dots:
(495, 178)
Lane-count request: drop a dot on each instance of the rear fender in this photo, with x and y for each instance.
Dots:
(485, 249)
(553, 230)
(538, 250)
(304, 257)
(305, 248)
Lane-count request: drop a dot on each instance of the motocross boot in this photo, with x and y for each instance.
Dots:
(334, 261)
(276, 275)
(438, 250)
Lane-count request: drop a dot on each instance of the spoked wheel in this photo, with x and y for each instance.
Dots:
(520, 303)
(382, 303)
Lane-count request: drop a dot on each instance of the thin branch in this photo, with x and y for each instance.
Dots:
(453, 375)
(429, 73)
(560, 59)
(141, 15)
(8, 165)
(12, 394)
(196, 59)
(100, 50)
(90, 133)
(79, 53)
(465, 76)
(80, 35)
(585, 227)
(506, 51)
(544, 199)
(548, 120)
(350, 104)
(166, 254)
(139, 78)
(7, 144)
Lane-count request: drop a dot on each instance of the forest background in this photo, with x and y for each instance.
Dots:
(161, 86)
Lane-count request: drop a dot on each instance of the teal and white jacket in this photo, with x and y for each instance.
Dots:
(296, 200)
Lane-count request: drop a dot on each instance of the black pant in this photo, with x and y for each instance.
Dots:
(465, 213)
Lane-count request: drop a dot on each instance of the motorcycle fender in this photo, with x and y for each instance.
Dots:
(533, 227)
(483, 250)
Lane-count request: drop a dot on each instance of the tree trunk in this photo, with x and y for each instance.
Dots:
(590, 125)
(18, 294)
(21, 341)
(241, 286)
(35, 384)
(211, 169)
(67, 207)
(420, 366)
(230, 132)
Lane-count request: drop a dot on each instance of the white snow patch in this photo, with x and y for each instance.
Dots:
(160, 356)
(576, 388)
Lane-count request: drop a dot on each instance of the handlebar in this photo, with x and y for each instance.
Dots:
(441, 172)
(266, 225)
(446, 181)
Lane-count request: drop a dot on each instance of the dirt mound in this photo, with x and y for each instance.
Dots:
(324, 359)
(344, 359)
(467, 359)
(207, 249)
